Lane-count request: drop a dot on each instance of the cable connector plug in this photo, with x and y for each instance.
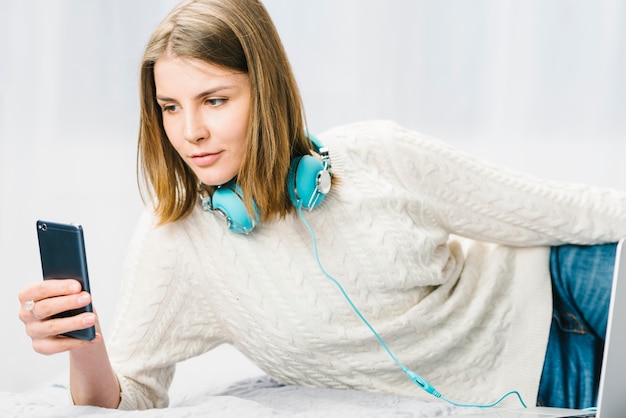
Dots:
(421, 382)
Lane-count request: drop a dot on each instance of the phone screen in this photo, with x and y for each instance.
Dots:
(62, 252)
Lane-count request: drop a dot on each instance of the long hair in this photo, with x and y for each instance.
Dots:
(239, 35)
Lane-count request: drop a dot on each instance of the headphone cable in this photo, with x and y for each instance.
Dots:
(416, 378)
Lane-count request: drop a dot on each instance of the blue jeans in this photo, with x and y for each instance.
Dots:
(581, 284)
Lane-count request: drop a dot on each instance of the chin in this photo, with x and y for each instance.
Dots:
(213, 181)
(215, 175)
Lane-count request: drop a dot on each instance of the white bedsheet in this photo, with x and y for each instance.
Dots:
(256, 397)
(236, 388)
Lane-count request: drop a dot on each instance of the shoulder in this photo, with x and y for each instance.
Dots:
(381, 142)
(149, 230)
(363, 131)
(155, 242)
(377, 133)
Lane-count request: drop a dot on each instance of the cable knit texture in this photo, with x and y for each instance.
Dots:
(445, 255)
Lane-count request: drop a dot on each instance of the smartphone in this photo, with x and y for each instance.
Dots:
(62, 252)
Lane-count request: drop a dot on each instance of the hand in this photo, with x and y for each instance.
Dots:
(51, 297)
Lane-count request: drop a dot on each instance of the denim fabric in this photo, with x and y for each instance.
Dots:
(581, 286)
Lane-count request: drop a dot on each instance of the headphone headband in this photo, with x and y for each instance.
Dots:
(321, 150)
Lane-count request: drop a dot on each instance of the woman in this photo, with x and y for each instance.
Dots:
(452, 260)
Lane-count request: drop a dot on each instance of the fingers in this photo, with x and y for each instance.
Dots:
(47, 335)
(38, 294)
(57, 326)
(49, 288)
(56, 344)
(45, 308)
(43, 300)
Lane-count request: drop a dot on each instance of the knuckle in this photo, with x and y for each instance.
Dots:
(53, 328)
(24, 315)
(27, 292)
(21, 296)
(40, 346)
(43, 311)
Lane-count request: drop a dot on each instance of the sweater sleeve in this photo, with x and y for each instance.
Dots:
(486, 202)
(161, 316)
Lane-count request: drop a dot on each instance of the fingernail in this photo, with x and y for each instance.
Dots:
(89, 320)
(75, 287)
(83, 299)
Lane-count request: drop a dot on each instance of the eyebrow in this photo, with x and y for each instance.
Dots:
(199, 95)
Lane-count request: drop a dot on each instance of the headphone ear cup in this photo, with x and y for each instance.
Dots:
(227, 202)
(302, 181)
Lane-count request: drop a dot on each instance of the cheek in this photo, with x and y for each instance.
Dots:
(242, 134)
(241, 145)
(171, 133)
(242, 140)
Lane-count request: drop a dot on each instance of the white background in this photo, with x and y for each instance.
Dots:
(538, 86)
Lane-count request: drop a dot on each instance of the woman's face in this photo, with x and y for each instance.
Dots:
(205, 115)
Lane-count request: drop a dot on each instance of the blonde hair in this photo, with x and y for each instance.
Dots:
(239, 35)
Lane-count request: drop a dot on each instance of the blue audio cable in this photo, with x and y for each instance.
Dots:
(416, 378)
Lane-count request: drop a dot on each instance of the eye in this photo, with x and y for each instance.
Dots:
(169, 108)
(215, 102)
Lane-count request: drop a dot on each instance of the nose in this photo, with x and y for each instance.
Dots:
(195, 127)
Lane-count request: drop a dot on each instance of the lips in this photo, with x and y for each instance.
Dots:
(205, 159)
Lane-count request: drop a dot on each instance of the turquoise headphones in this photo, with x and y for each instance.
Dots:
(308, 182)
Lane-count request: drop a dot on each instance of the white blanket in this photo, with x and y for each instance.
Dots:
(257, 397)
(236, 388)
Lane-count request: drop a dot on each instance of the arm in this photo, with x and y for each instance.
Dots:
(163, 314)
(490, 203)
(92, 379)
(163, 317)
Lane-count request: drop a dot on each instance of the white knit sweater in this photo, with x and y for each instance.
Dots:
(471, 314)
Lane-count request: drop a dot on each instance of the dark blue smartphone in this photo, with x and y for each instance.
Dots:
(62, 252)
